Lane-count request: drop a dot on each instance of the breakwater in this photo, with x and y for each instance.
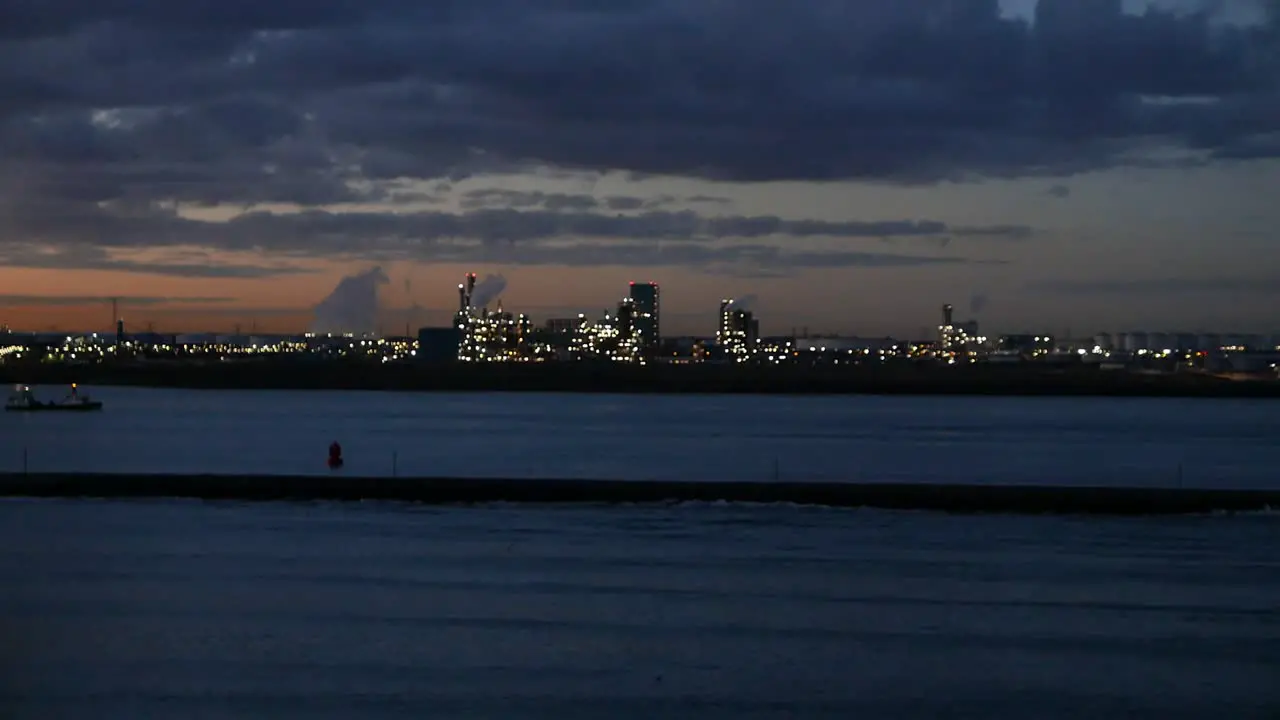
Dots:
(1028, 499)
(895, 379)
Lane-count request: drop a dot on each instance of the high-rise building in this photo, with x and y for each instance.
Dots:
(739, 331)
(627, 319)
(647, 318)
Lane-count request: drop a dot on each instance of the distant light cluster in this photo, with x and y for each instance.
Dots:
(496, 336)
(485, 336)
(739, 333)
(630, 333)
(612, 337)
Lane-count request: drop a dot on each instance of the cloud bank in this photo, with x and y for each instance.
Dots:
(527, 237)
(122, 300)
(119, 114)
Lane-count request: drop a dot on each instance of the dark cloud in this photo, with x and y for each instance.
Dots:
(414, 197)
(86, 257)
(498, 197)
(913, 90)
(122, 300)
(503, 236)
(527, 199)
(113, 105)
(1162, 286)
(1059, 191)
(708, 200)
(624, 203)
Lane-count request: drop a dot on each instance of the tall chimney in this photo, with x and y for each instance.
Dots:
(462, 298)
(946, 314)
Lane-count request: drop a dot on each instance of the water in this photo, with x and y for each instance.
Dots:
(1217, 443)
(197, 610)
(190, 610)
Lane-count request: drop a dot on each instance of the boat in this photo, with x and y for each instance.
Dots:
(23, 400)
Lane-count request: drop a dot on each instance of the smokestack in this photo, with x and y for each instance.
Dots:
(471, 287)
(462, 298)
(119, 331)
(946, 314)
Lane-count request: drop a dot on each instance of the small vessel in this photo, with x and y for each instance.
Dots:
(23, 400)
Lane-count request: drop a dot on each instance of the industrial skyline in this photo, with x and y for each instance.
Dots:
(357, 304)
(630, 334)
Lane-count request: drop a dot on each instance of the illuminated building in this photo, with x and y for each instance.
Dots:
(485, 336)
(496, 336)
(957, 337)
(648, 313)
(1025, 345)
(738, 333)
(947, 330)
(614, 337)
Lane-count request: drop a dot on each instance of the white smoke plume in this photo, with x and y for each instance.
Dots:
(746, 302)
(487, 290)
(353, 305)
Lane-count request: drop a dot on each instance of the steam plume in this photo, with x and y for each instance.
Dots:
(487, 290)
(977, 303)
(352, 307)
(746, 302)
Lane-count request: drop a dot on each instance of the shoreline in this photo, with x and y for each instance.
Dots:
(589, 378)
(958, 499)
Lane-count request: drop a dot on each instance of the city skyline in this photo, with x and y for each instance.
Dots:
(898, 159)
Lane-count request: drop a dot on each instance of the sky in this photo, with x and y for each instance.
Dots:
(1073, 167)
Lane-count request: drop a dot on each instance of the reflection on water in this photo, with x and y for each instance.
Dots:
(128, 610)
(1018, 440)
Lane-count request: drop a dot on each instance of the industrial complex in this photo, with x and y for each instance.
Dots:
(631, 333)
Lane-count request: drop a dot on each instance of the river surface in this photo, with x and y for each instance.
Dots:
(1150, 442)
(191, 610)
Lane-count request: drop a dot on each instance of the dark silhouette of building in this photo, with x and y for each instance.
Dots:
(562, 326)
(439, 344)
(627, 319)
(648, 312)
